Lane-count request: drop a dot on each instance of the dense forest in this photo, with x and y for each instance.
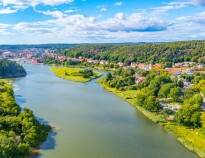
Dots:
(20, 131)
(9, 69)
(167, 53)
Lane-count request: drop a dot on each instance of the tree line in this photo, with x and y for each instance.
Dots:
(167, 53)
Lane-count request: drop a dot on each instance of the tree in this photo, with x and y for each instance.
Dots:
(140, 98)
(194, 100)
(165, 90)
(175, 93)
(189, 115)
(108, 77)
(151, 104)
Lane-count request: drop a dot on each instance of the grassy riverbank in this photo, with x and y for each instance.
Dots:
(75, 74)
(193, 139)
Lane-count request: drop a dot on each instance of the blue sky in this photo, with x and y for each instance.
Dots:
(100, 21)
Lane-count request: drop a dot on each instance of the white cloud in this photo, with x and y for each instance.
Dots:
(103, 8)
(119, 3)
(21, 3)
(4, 28)
(171, 6)
(8, 11)
(71, 10)
(137, 26)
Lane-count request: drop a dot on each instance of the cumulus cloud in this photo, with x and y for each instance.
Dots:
(136, 22)
(144, 25)
(20, 3)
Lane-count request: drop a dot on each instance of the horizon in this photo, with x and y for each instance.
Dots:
(30, 44)
(87, 21)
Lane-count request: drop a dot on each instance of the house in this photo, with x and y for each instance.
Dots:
(173, 107)
(144, 66)
(120, 64)
(92, 61)
(133, 65)
(139, 79)
(157, 66)
(184, 64)
(81, 59)
(62, 58)
(180, 70)
(187, 84)
(103, 62)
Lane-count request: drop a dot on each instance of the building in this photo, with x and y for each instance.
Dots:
(139, 79)
(144, 66)
(180, 70)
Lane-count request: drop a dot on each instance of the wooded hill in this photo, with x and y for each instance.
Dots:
(167, 53)
(10, 69)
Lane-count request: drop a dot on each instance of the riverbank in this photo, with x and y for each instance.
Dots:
(192, 139)
(75, 74)
(21, 133)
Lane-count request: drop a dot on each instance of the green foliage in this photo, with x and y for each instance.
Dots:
(194, 100)
(75, 74)
(87, 73)
(20, 131)
(151, 104)
(189, 115)
(175, 93)
(165, 90)
(167, 53)
(145, 99)
(10, 69)
(121, 78)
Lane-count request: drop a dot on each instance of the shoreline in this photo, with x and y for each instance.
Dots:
(157, 118)
(172, 128)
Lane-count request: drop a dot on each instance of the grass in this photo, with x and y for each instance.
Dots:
(192, 139)
(73, 74)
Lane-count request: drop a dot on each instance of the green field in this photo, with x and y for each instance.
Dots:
(193, 139)
(73, 74)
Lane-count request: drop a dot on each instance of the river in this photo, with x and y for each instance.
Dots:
(90, 122)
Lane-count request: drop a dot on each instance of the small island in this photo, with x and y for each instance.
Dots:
(75, 74)
(10, 69)
(20, 131)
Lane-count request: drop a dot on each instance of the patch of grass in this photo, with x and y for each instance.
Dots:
(193, 139)
(73, 74)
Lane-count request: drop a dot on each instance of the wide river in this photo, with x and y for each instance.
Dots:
(90, 122)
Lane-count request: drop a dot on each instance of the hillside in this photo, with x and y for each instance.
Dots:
(171, 52)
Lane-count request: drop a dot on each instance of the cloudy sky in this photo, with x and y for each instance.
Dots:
(100, 21)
